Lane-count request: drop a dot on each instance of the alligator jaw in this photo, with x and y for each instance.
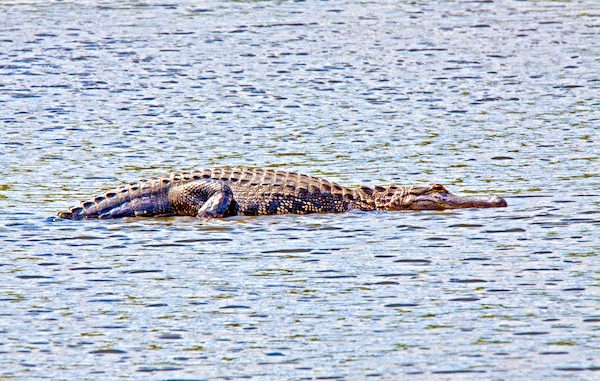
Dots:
(446, 200)
(458, 202)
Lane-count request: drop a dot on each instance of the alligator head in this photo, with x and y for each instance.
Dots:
(436, 197)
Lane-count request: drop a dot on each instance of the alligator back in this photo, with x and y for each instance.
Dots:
(254, 189)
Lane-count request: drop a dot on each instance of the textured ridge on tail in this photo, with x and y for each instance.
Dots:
(97, 206)
(145, 198)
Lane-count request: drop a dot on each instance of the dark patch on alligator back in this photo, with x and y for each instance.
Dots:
(88, 204)
(65, 215)
(312, 188)
(368, 191)
(280, 176)
(73, 213)
(337, 191)
(204, 173)
(302, 192)
(216, 173)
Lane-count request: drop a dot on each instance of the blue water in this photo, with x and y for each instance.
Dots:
(483, 97)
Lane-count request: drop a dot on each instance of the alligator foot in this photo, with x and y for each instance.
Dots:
(218, 205)
(202, 198)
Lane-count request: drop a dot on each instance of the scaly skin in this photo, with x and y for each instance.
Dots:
(222, 192)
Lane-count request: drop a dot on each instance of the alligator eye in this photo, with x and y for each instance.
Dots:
(438, 188)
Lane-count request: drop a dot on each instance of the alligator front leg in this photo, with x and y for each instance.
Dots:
(202, 198)
(218, 205)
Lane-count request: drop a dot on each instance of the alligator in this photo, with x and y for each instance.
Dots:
(224, 192)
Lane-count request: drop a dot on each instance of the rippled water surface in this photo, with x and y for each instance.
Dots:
(484, 97)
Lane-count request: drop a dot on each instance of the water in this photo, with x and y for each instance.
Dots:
(482, 97)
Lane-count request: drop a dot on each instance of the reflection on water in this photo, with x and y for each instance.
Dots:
(483, 97)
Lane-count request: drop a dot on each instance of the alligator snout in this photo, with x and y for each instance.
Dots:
(473, 202)
(452, 201)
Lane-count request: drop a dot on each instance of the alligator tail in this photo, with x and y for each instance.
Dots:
(146, 198)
